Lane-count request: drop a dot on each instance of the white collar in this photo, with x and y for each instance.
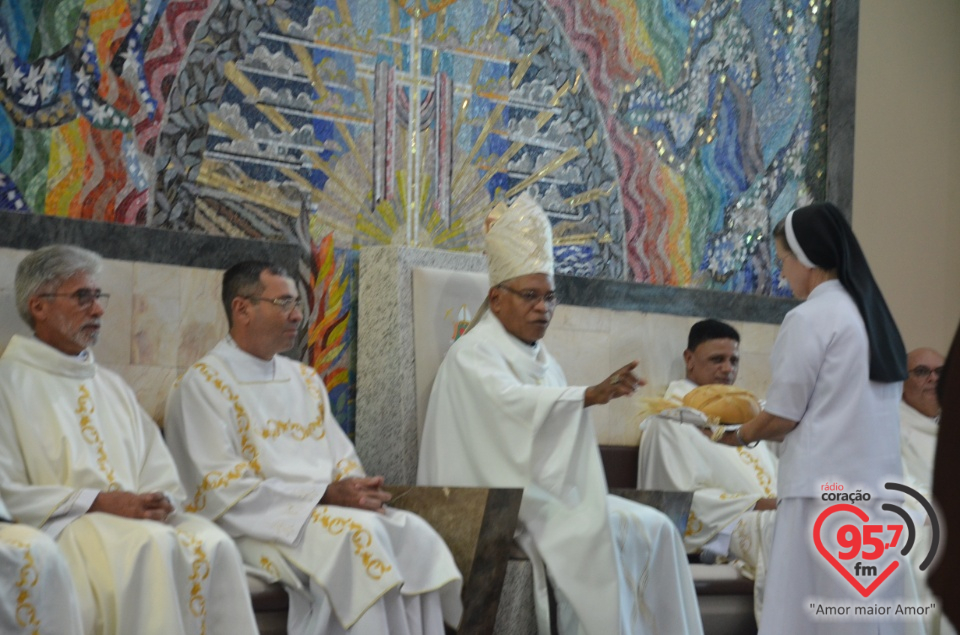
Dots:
(244, 366)
(37, 353)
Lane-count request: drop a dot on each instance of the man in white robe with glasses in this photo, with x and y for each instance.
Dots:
(36, 592)
(501, 415)
(919, 425)
(82, 461)
(261, 453)
(919, 418)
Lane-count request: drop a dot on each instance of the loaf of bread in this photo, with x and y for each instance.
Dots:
(729, 404)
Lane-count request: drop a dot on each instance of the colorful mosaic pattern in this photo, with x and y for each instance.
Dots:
(663, 138)
(717, 114)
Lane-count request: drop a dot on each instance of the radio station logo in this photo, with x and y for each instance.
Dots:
(867, 546)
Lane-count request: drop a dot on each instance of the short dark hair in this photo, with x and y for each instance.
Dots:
(243, 280)
(710, 329)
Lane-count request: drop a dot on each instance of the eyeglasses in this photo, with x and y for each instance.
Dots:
(778, 262)
(83, 297)
(531, 297)
(287, 305)
(922, 372)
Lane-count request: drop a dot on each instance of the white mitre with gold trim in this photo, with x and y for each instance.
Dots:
(518, 242)
(518, 239)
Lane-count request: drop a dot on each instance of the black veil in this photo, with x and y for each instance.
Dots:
(828, 242)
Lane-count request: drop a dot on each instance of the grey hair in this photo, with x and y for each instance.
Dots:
(47, 268)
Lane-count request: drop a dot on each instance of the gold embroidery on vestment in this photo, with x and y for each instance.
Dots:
(270, 567)
(763, 478)
(91, 435)
(694, 525)
(727, 496)
(26, 612)
(217, 479)
(299, 432)
(362, 540)
(344, 468)
(199, 571)
(310, 377)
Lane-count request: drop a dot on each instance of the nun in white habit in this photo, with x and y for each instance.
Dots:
(837, 367)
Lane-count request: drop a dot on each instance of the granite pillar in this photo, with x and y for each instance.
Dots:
(386, 429)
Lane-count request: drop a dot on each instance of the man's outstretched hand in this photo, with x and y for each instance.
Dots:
(362, 493)
(620, 384)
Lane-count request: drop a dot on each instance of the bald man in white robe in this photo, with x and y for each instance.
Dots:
(919, 425)
(919, 417)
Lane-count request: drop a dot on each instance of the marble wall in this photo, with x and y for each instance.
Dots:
(591, 342)
(160, 319)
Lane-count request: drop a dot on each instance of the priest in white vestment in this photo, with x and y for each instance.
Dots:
(919, 418)
(919, 424)
(82, 461)
(36, 592)
(501, 415)
(734, 488)
(261, 453)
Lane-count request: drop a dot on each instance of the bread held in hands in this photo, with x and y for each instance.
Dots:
(728, 404)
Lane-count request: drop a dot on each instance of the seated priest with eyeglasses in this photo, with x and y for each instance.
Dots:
(919, 417)
(919, 425)
(501, 415)
(919, 429)
(262, 454)
(82, 461)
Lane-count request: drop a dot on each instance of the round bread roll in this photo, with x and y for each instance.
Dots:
(729, 404)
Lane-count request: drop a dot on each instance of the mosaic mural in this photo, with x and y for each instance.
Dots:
(664, 138)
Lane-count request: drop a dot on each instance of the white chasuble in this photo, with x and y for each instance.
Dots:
(918, 444)
(257, 446)
(36, 592)
(501, 415)
(69, 430)
(726, 482)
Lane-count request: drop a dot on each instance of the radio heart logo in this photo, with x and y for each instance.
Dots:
(867, 544)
